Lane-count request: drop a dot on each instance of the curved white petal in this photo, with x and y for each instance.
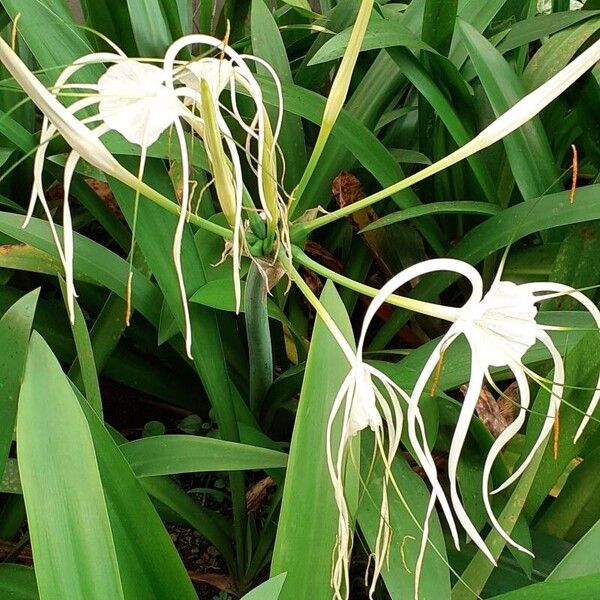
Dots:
(593, 310)
(553, 406)
(497, 446)
(178, 237)
(458, 439)
(413, 418)
(135, 102)
(430, 266)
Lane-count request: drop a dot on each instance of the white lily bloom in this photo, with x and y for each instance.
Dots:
(544, 7)
(362, 405)
(133, 100)
(499, 326)
(201, 83)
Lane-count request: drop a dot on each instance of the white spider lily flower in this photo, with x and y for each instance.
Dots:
(132, 100)
(544, 7)
(499, 326)
(361, 405)
(202, 82)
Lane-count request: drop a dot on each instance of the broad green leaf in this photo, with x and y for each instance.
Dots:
(17, 582)
(92, 261)
(111, 19)
(479, 15)
(269, 590)
(380, 34)
(467, 207)
(308, 520)
(151, 568)
(582, 588)
(172, 454)
(48, 28)
(557, 52)
(15, 328)
(583, 559)
(71, 537)
(540, 26)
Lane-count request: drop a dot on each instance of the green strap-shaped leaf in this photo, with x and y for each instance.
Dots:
(269, 590)
(15, 328)
(582, 588)
(71, 537)
(171, 454)
(527, 149)
(308, 521)
(151, 568)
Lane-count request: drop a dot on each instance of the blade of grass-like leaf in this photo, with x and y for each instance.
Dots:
(466, 207)
(111, 19)
(425, 84)
(151, 568)
(269, 590)
(268, 45)
(406, 538)
(92, 259)
(50, 32)
(173, 454)
(439, 19)
(557, 52)
(379, 34)
(540, 26)
(527, 149)
(17, 582)
(308, 521)
(582, 588)
(15, 328)
(479, 15)
(150, 27)
(84, 363)
(71, 537)
(583, 559)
